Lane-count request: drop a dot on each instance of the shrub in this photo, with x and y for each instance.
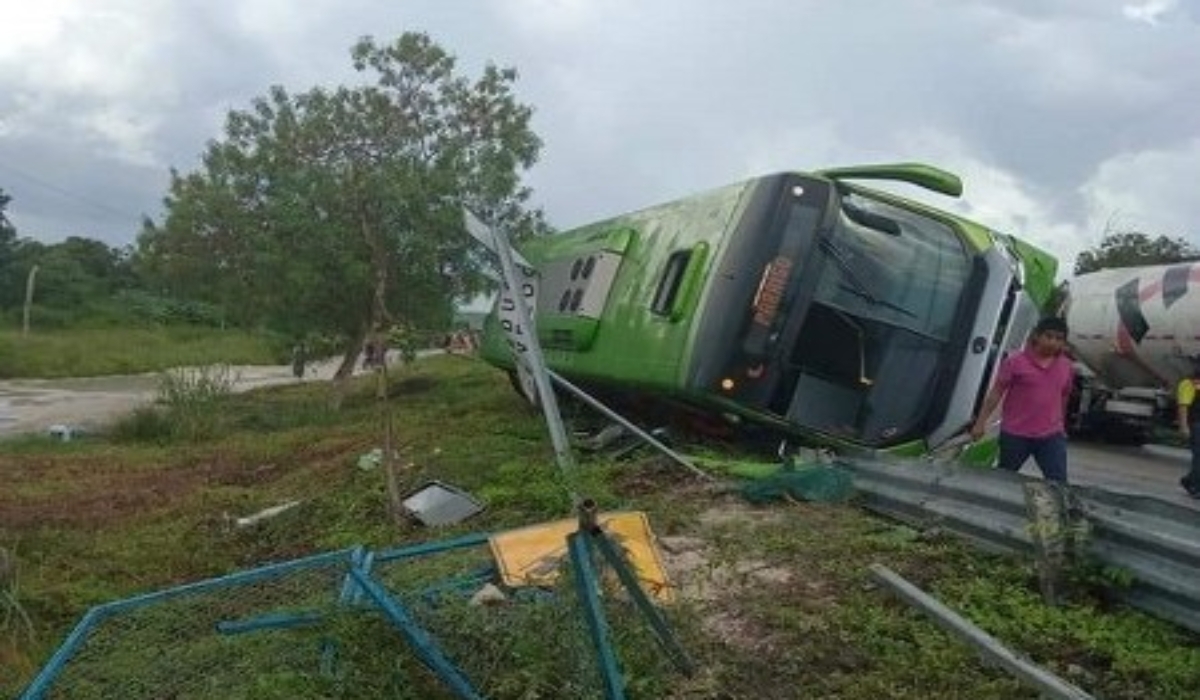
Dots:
(143, 424)
(193, 398)
(16, 627)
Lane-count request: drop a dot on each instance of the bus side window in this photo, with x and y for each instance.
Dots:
(669, 283)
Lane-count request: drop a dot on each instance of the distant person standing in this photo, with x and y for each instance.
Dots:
(1034, 385)
(1189, 427)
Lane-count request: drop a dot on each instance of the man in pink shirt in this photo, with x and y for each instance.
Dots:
(1034, 385)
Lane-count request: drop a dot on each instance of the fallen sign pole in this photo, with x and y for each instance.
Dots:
(589, 539)
(654, 442)
(517, 292)
(992, 650)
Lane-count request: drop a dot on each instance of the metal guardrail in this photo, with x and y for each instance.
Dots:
(1156, 542)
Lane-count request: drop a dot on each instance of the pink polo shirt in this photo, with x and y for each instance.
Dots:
(1034, 396)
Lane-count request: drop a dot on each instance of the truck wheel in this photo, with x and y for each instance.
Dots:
(1134, 437)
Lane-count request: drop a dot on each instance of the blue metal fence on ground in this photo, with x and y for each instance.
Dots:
(349, 623)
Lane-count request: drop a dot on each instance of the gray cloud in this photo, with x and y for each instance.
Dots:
(1059, 113)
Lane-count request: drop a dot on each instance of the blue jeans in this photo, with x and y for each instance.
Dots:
(1192, 480)
(1049, 452)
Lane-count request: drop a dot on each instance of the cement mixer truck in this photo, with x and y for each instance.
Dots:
(1136, 333)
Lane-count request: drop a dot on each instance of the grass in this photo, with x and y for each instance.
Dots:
(107, 351)
(776, 600)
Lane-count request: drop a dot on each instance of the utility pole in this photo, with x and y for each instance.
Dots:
(28, 299)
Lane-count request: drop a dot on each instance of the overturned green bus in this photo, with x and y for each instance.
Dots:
(803, 303)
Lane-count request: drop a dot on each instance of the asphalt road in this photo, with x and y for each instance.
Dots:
(89, 403)
(1151, 470)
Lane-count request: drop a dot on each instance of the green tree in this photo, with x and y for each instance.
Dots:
(8, 250)
(339, 211)
(8, 233)
(1131, 249)
(71, 277)
(76, 278)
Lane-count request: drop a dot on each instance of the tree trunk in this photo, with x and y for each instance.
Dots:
(345, 370)
(381, 318)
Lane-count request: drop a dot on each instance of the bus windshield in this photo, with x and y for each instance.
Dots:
(911, 278)
(852, 305)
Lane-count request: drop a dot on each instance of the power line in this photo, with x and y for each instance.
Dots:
(64, 192)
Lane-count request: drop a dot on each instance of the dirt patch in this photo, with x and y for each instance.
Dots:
(96, 502)
(98, 497)
(707, 576)
(737, 513)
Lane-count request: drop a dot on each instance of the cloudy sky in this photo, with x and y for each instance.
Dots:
(1064, 117)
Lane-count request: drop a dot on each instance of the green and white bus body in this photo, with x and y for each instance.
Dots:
(804, 303)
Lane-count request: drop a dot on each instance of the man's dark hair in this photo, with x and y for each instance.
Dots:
(1050, 323)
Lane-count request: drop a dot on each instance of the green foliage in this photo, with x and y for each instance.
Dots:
(72, 276)
(335, 212)
(144, 307)
(146, 424)
(1153, 657)
(189, 407)
(406, 340)
(17, 631)
(1132, 249)
(125, 308)
(8, 355)
(9, 270)
(8, 234)
(198, 403)
(15, 623)
(1105, 580)
(194, 399)
(94, 352)
(80, 282)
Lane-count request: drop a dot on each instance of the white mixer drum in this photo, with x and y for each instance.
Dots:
(1137, 326)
